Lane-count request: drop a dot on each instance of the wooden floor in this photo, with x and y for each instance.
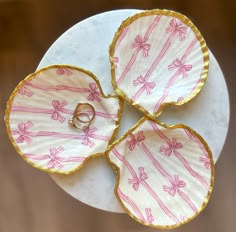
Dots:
(29, 199)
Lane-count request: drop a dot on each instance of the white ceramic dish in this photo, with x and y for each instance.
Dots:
(165, 174)
(40, 109)
(158, 58)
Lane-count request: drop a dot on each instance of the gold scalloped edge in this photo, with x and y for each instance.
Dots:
(200, 38)
(32, 76)
(117, 171)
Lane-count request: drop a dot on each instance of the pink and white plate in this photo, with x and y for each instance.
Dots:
(158, 58)
(165, 174)
(38, 112)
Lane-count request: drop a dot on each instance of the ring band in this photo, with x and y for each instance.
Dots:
(87, 107)
(80, 117)
(83, 115)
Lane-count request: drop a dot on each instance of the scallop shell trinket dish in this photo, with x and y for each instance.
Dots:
(162, 55)
(55, 118)
(165, 174)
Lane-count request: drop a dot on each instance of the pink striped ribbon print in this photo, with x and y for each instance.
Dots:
(164, 173)
(191, 171)
(93, 90)
(119, 40)
(64, 71)
(139, 48)
(87, 133)
(57, 88)
(205, 158)
(131, 203)
(197, 141)
(25, 91)
(122, 36)
(63, 110)
(62, 159)
(159, 57)
(132, 142)
(126, 163)
(150, 217)
(64, 136)
(54, 160)
(145, 185)
(179, 156)
(182, 69)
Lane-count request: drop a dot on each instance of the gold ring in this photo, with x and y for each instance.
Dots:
(83, 115)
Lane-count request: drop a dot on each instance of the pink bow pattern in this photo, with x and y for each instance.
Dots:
(63, 71)
(135, 181)
(88, 134)
(24, 134)
(54, 159)
(176, 27)
(142, 175)
(132, 142)
(147, 86)
(206, 161)
(172, 146)
(25, 91)
(58, 106)
(182, 68)
(94, 93)
(150, 217)
(176, 184)
(140, 43)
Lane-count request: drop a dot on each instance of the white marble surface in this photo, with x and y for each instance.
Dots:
(86, 45)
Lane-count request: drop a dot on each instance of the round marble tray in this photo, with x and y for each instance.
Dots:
(86, 45)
